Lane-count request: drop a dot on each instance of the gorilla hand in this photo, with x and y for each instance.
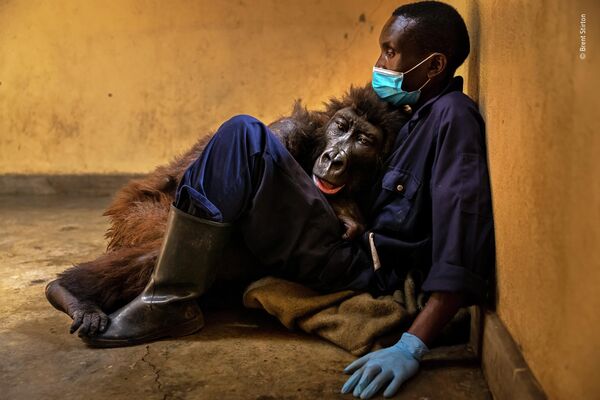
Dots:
(349, 214)
(89, 319)
(87, 316)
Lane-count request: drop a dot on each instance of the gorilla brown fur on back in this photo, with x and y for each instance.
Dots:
(138, 212)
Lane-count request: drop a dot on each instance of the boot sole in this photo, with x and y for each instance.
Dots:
(187, 328)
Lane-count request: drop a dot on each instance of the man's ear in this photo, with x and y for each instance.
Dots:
(437, 65)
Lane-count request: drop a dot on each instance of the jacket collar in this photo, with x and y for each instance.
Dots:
(455, 84)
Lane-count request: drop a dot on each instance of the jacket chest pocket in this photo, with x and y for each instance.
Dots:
(399, 188)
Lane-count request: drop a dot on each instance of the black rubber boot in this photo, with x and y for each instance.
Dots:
(185, 269)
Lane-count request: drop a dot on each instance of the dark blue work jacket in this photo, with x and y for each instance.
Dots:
(431, 211)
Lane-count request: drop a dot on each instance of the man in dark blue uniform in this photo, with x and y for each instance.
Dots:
(431, 209)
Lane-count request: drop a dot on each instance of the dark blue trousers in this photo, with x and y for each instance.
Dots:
(247, 177)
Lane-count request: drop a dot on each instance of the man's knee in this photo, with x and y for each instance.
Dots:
(240, 126)
(242, 133)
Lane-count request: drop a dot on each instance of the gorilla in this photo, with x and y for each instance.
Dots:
(343, 147)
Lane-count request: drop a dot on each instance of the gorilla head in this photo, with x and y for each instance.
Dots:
(355, 140)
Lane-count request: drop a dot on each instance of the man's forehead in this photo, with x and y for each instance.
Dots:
(396, 31)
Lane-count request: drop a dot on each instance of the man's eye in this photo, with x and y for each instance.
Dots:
(390, 53)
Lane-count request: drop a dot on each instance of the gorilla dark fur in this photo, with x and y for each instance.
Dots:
(139, 210)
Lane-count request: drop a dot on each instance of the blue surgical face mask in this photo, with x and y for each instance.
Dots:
(388, 85)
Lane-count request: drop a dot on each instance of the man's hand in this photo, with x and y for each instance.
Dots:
(397, 364)
(393, 365)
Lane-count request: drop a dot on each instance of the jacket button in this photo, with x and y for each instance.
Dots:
(399, 188)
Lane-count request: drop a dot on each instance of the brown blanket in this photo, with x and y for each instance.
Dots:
(357, 322)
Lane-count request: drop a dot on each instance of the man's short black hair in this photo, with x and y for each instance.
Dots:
(439, 28)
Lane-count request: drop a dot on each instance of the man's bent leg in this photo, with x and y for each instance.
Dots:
(247, 177)
(244, 176)
(184, 270)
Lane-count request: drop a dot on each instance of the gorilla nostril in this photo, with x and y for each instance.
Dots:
(334, 159)
(337, 163)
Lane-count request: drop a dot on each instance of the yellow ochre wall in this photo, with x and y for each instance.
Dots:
(540, 102)
(123, 85)
(120, 86)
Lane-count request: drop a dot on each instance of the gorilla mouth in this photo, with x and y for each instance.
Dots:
(325, 186)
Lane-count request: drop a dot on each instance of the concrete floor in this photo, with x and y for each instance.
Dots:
(241, 354)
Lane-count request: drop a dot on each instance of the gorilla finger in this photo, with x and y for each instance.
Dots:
(103, 322)
(352, 381)
(352, 231)
(85, 326)
(94, 324)
(376, 384)
(77, 320)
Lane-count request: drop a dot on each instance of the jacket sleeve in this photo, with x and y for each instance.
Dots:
(463, 251)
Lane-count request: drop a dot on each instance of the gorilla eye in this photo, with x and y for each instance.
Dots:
(362, 139)
(341, 124)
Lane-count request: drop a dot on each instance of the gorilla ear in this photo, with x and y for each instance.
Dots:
(299, 111)
(308, 120)
(333, 106)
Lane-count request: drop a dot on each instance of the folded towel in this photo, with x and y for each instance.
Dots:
(357, 322)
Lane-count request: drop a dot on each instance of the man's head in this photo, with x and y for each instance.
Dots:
(417, 31)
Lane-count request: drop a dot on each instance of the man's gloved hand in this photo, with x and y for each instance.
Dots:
(393, 365)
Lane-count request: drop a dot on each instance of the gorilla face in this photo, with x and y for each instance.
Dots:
(351, 153)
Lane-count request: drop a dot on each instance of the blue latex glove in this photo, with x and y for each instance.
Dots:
(393, 365)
